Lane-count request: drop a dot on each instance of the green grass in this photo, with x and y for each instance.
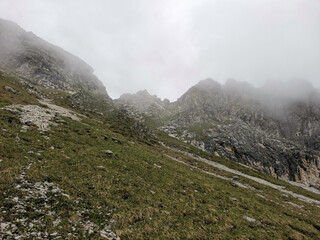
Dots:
(147, 202)
(8, 97)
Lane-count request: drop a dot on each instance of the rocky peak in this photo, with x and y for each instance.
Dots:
(208, 85)
(143, 93)
(30, 57)
(199, 92)
(142, 101)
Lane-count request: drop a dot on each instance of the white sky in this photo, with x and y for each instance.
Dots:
(166, 46)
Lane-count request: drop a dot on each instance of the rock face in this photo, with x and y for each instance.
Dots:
(142, 102)
(275, 133)
(27, 56)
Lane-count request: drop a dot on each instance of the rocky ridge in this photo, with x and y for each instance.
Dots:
(30, 57)
(242, 123)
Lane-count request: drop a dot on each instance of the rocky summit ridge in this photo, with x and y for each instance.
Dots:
(28, 56)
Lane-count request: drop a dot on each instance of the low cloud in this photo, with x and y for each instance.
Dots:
(167, 46)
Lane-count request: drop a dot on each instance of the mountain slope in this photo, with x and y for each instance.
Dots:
(74, 167)
(42, 63)
(80, 179)
(273, 134)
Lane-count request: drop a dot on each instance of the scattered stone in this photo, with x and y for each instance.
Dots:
(65, 195)
(40, 116)
(101, 167)
(42, 198)
(249, 219)
(116, 140)
(108, 152)
(3, 226)
(153, 192)
(24, 128)
(10, 89)
(108, 227)
(295, 205)
(156, 165)
(103, 234)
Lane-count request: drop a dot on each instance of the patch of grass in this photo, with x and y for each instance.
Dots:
(8, 97)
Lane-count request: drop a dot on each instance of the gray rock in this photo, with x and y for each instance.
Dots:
(108, 152)
(10, 89)
(249, 219)
(3, 226)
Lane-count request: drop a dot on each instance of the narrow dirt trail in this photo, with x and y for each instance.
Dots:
(213, 174)
(227, 169)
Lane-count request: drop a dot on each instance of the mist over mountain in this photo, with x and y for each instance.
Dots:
(223, 161)
(25, 54)
(274, 129)
(168, 46)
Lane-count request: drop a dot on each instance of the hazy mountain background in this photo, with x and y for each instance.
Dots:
(168, 46)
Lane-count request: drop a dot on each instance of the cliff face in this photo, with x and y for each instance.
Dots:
(278, 135)
(27, 56)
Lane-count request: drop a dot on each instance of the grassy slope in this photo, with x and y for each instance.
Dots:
(148, 202)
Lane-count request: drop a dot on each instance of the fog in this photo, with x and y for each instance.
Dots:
(166, 46)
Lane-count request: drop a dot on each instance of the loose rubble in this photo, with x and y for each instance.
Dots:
(10, 89)
(40, 116)
(34, 204)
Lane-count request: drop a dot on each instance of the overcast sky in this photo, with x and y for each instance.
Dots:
(166, 46)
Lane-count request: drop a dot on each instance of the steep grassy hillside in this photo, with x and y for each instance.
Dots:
(97, 178)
